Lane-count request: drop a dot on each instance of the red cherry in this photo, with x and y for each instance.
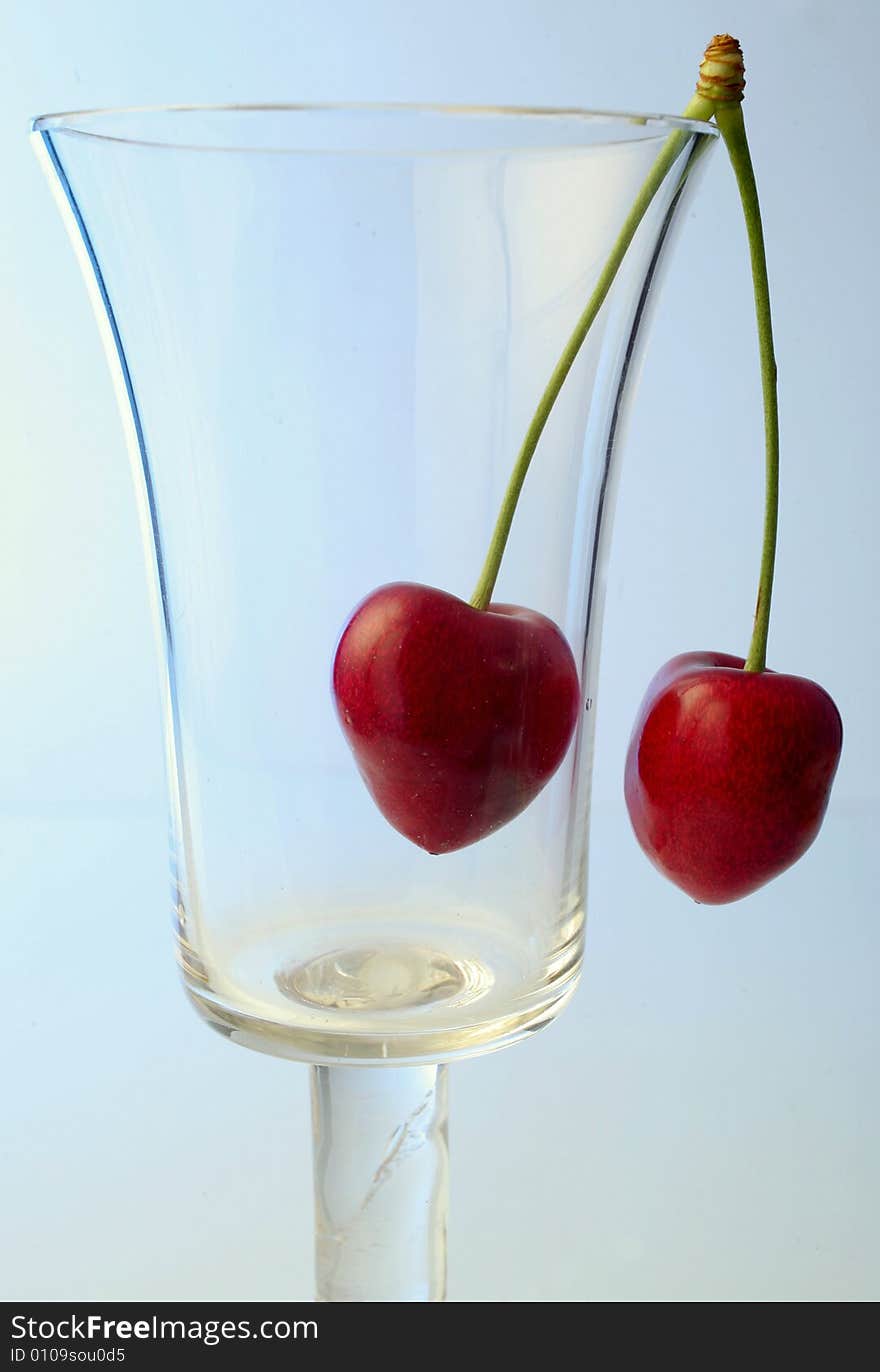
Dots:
(456, 717)
(728, 773)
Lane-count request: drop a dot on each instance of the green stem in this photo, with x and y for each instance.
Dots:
(699, 107)
(730, 121)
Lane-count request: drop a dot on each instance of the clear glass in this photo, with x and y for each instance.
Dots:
(381, 1183)
(329, 328)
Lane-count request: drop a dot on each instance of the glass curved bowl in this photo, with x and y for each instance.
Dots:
(329, 327)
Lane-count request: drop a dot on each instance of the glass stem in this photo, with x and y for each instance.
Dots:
(381, 1163)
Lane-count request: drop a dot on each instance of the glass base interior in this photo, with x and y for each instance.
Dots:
(367, 993)
(378, 979)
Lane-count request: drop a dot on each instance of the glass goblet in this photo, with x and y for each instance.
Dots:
(328, 329)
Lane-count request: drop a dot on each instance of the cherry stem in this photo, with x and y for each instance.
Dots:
(729, 119)
(699, 107)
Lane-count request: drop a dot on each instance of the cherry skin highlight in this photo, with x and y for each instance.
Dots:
(728, 773)
(456, 717)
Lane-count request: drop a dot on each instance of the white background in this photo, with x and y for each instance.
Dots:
(703, 1123)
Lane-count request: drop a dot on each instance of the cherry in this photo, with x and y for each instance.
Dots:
(457, 717)
(728, 773)
(730, 765)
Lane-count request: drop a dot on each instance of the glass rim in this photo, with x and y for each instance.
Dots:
(78, 123)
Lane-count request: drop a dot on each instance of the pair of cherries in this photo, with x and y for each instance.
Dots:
(458, 717)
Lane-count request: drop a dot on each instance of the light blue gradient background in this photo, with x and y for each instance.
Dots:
(703, 1123)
